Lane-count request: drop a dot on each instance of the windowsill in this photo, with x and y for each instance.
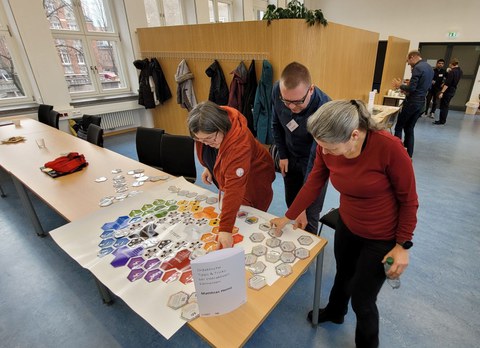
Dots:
(20, 109)
(78, 103)
(32, 107)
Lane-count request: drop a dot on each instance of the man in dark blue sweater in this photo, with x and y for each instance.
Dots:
(414, 104)
(294, 99)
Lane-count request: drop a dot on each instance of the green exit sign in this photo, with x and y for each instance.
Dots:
(452, 34)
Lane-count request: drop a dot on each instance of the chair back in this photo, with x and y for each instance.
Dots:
(275, 156)
(87, 120)
(178, 156)
(330, 219)
(43, 112)
(95, 135)
(53, 118)
(148, 141)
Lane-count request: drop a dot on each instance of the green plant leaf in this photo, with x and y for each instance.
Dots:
(294, 10)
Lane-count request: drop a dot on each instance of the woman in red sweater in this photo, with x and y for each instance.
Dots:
(240, 167)
(377, 214)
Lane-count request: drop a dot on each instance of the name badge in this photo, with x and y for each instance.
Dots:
(292, 125)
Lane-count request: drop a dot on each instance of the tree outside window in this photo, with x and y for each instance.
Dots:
(87, 35)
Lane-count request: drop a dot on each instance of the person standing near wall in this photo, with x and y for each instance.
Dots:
(414, 104)
(439, 74)
(448, 90)
(294, 99)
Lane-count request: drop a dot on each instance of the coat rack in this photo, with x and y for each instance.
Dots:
(205, 55)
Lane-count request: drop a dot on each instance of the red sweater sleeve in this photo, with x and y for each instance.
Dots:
(378, 198)
(312, 187)
(235, 168)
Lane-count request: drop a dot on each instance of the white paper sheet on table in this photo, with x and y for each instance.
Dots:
(81, 239)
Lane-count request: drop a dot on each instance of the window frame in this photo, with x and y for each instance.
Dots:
(162, 17)
(216, 16)
(14, 48)
(87, 37)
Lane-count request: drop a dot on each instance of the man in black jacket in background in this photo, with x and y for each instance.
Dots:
(439, 74)
(448, 90)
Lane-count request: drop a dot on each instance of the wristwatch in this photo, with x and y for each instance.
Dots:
(406, 245)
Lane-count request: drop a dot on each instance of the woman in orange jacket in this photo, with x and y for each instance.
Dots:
(240, 167)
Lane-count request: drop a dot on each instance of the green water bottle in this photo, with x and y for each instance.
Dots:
(393, 282)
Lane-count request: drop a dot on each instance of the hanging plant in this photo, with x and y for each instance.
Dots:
(294, 10)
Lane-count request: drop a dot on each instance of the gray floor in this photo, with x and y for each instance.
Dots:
(48, 300)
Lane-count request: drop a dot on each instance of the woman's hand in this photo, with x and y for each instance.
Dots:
(301, 221)
(400, 261)
(279, 223)
(225, 240)
(206, 177)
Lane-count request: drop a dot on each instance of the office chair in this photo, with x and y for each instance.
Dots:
(95, 135)
(43, 112)
(87, 120)
(178, 157)
(53, 118)
(275, 156)
(84, 123)
(149, 141)
(330, 219)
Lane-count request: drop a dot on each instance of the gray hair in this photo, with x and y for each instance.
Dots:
(335, 121)
(207, 117)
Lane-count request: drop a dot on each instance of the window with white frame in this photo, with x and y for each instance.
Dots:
(220, 11)
(88, 45)
(164, 12)
(14, 88)
(259, 8)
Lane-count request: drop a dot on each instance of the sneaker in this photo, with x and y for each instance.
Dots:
(438, 123)
(432, 115)
(324, 315)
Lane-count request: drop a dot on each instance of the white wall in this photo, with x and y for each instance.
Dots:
(37, 41)
(417, 21)
(203, 14)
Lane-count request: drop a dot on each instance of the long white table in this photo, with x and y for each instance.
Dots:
(72, 196)
(77, 195)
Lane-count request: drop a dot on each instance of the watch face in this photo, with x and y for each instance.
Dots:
(407, 245)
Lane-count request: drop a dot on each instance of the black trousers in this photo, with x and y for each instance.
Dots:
(444, 105)
(360, 276)
(432, 96)
(293, 182)
(411, 112)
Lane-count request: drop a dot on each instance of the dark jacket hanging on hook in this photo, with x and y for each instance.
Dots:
(162, 91)
(218, 87)
(237, 87)
(145, 94)
(249, 96)
(262, 111)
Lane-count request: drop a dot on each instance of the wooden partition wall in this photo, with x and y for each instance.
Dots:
(341, 59)
(393, 66)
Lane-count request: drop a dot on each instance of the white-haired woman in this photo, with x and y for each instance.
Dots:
(378, 208)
